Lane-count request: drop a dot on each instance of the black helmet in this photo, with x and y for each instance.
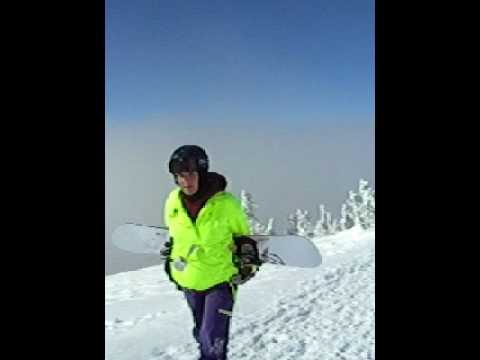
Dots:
(188, 158)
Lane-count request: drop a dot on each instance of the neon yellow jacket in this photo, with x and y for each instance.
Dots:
(206, 245)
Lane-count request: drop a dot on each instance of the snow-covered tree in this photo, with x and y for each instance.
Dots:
(304, 224)
(300, 224)
(320, 227)
(330, 224)
(346, 221)
(325, 225)
(256, 226)
(292, 224)
(359, 208)
(371, 209)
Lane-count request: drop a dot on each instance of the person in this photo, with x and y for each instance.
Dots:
(204, 222)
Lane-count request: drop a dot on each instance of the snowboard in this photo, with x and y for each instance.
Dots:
(286, 250)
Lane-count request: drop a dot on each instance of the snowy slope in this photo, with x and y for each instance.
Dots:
(283, 313)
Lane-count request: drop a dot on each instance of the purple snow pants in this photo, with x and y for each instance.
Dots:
(211, 311)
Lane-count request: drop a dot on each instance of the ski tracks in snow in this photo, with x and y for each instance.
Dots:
(328, 317)
(331, 317)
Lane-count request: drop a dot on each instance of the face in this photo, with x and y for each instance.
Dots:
(188, 182)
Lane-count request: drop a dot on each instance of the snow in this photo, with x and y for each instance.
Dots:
(283, 313)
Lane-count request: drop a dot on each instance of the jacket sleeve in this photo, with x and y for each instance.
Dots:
(238, 220)
(166, 268)
(165, 214)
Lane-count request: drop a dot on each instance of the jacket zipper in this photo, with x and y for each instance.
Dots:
(194, 247)
(194, 224)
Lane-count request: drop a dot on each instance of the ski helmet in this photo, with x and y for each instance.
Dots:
(188, 158)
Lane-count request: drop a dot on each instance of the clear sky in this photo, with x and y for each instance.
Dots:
(280, 93)
(215, 61)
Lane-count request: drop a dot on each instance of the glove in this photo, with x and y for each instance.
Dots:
(165, 255)
(245, 273)
(246, 258)
(166, 250)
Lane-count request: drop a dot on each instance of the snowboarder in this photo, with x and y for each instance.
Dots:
(203, 220)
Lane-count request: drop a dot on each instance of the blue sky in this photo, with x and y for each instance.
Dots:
(240, 61)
